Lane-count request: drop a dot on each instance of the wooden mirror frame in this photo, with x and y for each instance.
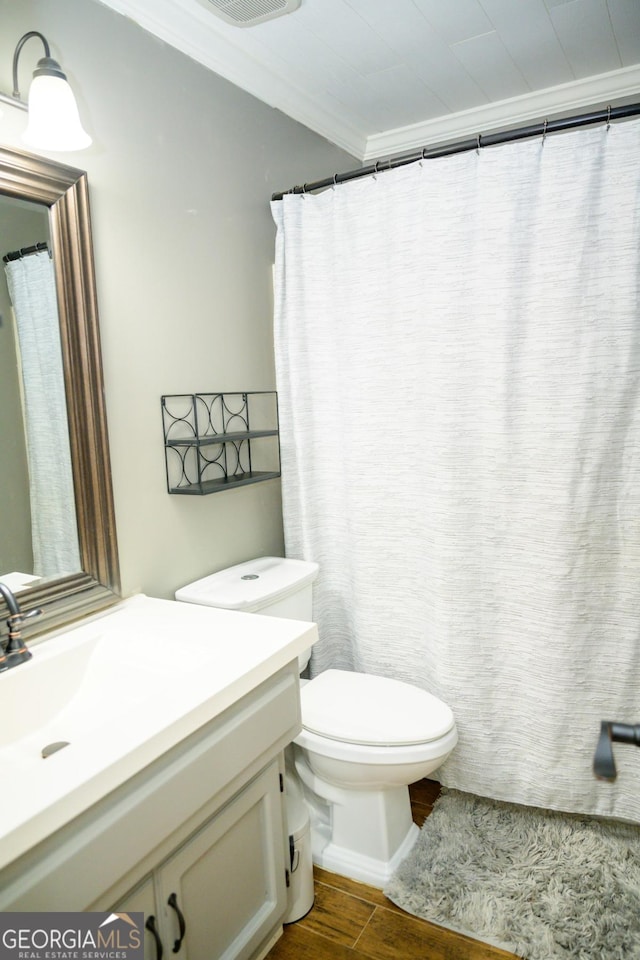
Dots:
(64, 190)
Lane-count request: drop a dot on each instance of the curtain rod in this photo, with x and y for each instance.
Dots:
(24, 252)
(462, 146)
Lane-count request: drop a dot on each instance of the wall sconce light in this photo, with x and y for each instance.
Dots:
(54, 121)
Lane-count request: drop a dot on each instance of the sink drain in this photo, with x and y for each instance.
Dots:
(53, 748)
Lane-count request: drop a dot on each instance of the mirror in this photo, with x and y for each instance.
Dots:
(38, 526)
(63, 192)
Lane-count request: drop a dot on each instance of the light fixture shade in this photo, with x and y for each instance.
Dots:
(54, 121)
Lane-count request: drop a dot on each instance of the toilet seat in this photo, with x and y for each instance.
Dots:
(372, 712)
(358, 753)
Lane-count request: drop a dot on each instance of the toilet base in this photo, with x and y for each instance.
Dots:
(358, 866)
(360, 834)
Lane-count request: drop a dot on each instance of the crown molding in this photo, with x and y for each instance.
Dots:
(192, 29)
(552, 102)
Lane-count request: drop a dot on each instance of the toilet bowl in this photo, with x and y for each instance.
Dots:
(364, 738)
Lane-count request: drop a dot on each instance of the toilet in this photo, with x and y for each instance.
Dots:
(365, 738)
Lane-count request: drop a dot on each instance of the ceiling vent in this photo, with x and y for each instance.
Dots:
(246, 13)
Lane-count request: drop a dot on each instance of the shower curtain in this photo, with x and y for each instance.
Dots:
(458, 364)
(32, 289)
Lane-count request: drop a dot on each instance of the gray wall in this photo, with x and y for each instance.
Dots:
(181, 171)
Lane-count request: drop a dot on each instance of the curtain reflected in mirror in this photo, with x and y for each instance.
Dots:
(43, 431)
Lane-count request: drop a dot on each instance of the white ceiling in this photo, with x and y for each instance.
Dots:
(378, 77)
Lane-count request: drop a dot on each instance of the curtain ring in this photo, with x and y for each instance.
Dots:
(335, 181)
(608, 116)
(544, 131)
(478, 144)
(375, 170)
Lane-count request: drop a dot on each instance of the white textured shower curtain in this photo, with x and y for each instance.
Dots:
(54, 529)
(458, 363)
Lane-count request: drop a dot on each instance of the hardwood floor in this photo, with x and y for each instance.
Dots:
(350, 920)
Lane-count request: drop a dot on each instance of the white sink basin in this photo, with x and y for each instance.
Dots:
(80, 684)
(119, 691)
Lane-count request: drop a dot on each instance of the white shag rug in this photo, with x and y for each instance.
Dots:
(543, 885)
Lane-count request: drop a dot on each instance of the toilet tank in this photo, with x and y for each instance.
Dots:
(271, 586)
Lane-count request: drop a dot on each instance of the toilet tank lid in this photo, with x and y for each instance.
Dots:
(250, 585)
(370, 710)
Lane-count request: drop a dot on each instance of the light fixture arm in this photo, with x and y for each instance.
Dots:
(47, 65)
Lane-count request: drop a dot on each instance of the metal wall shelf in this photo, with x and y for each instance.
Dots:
(216, 441)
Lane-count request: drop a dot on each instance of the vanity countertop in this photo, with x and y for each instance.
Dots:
(121, 689)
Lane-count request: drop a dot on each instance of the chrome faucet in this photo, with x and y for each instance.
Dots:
(15, 651)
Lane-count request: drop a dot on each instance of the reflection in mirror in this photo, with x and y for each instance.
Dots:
(38, 530)
(57, 529)
(18, 222)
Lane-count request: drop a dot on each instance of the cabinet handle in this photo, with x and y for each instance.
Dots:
(150, 925)
(173, 902)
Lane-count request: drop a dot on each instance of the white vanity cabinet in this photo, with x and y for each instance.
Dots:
(204, 821)
(222, 892)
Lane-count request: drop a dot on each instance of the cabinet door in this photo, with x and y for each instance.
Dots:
(142, 899)
(224, 891)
